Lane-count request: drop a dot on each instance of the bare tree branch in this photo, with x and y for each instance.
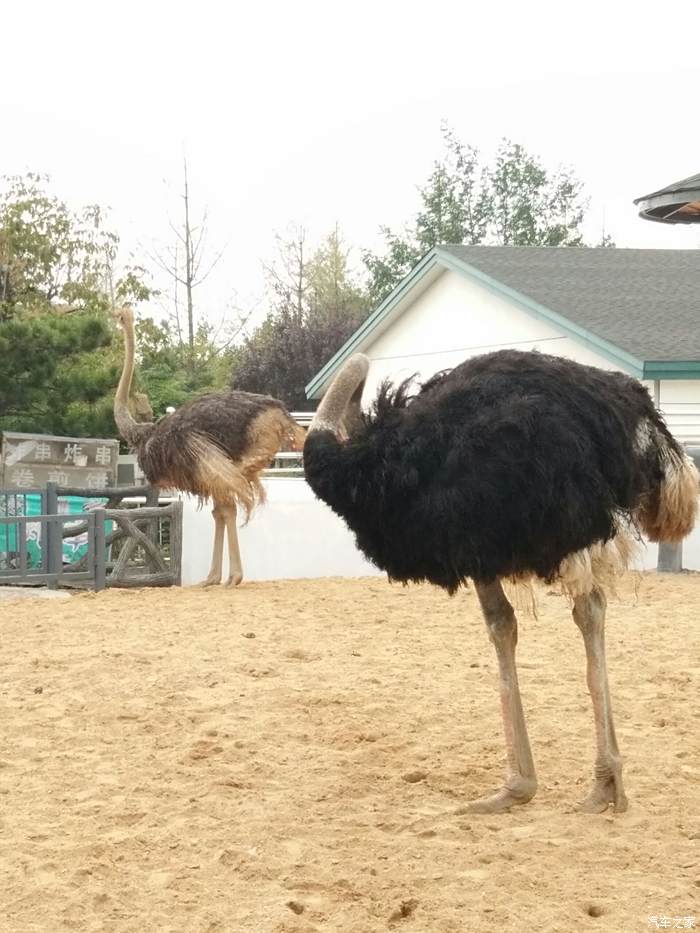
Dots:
(213, 265)
(188, 266)
(176, 231)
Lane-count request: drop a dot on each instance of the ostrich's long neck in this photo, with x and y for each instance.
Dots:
(129, 429)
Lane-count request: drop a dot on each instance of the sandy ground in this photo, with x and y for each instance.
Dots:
(31, 592)
(293, 757)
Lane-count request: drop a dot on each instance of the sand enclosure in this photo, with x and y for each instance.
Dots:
(298, 757)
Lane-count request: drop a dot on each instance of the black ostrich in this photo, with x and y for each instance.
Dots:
(215, 447)
(513, 465)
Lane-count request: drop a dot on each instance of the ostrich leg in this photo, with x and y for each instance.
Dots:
(217, 556)
(589, 615)
(235, 571)
(521, 781)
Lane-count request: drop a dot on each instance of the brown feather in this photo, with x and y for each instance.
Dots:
(673, 511)
(217, 446)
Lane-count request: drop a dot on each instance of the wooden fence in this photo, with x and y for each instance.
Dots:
(125, 544)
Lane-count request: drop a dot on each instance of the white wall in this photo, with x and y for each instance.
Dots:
(295, 535)
(680, 403)
(679, 391)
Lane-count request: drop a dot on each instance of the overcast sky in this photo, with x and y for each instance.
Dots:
(310, 112)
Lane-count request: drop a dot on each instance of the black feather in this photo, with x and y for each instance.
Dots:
(503, 466)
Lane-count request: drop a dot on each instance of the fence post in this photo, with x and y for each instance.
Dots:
(176, 542)
(100, 549)
(53, 533)
(51, 499)
(152, 498)
(670, 559)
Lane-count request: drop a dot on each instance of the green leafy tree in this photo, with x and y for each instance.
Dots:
(56, 375)
(52, 257)
(386, 270)
(513, 201)
(454, 207)
(58, 280)
(316, 304)
(170, 372)
(528, 206)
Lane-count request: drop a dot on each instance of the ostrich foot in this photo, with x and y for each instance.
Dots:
(234, 579)
(517, 791)
(607, 790)
(211, 580)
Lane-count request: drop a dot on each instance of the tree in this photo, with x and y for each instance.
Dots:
(54, 258)
(59, 276)
(454, 207)
(606, 241)
(528, 206)
(386, 271)
(185, 265)
(57, 375)
(171, 372)
(513, 201)
(333, 293)
(316, 305)
(185, 354)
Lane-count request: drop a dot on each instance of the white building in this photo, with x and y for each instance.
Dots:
(632, 310)
(627, 309)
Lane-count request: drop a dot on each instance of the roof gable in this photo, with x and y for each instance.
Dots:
(640, 309)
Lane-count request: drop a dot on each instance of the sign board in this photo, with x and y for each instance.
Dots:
(30, 461)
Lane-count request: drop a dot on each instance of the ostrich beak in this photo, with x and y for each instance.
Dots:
(339, 410)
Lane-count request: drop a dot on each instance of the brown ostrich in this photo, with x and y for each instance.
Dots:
(214, 447)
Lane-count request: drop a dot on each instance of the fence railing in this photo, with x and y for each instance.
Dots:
(18, 567)
(102, 546)
(286, 463)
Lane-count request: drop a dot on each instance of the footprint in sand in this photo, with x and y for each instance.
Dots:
(204, 749)
(405, 910)
(299, 654)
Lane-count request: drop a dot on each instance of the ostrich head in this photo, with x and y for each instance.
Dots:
(339, 411)
(124, 317)
(334, 454)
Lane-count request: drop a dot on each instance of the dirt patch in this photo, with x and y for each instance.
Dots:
(162, 770)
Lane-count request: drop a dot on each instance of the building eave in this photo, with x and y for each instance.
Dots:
(671, 369)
